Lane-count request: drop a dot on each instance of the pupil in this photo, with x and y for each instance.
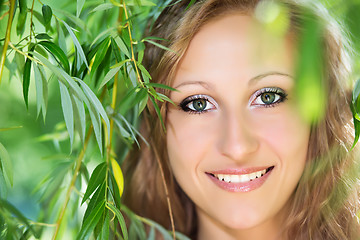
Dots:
(268, 98)
(199, 105)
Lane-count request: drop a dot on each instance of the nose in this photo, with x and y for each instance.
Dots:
(238, 137)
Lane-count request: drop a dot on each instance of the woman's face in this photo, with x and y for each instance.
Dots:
(236, 143)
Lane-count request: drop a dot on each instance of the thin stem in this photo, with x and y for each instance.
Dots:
(24, 54)
(72, 183)
(2, 16)
(31, 18)
(132, 47)
(7, 37)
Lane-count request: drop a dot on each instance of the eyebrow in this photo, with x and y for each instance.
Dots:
(257, 78)
(204, 84)
(252, 81)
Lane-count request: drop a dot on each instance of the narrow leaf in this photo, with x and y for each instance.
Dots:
(26, 81)
(67, 110)
(121, 220)
(61, 37)
(47, 14)
(6, 164)
(118, 175)
(58, 53)
(97, 104)
(77, 44)
(96, 179)
(102, 7)
(100, 54)
(91, 221)
(122, 46)
(159, 45)
(163, 86)
(80, 119)
(79, 7)
(39, 89)
(43, 36)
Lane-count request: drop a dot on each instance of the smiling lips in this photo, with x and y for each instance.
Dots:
(240, 180)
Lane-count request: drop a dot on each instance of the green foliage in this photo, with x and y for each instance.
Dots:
(93, 71)
(80, 65)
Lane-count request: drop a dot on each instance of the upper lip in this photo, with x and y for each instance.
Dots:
(239, 171)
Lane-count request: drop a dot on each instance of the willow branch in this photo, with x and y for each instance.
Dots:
(7, 37)
(72, 183)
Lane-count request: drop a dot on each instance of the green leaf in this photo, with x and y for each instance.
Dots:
(47, 14)
(163, 86)
(123, 48)
(78, 47)
(45, 91)
(159, 45)
(67, 108)
(77, 21)
(143, 70)
(58, 53)
(61, 37)
(79, 7)
(100, 54)
(102, 7)
(114, 69)
(8, 206)
(42, 36)
(121, 219)
(3, 187)
(22, 17)
(158, 112)
(96, 122)
(141, 2)
(104, 233)
(96, 179)
(91, 221)
(39, 89)
(96, 103)
(26, 81)
(80, 117)
(99, 196)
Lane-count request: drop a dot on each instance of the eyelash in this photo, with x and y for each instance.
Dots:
(281, 95)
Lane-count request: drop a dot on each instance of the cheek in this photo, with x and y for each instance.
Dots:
(285, 133)
(188, 139)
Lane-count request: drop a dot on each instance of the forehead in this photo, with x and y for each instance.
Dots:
(235, 44)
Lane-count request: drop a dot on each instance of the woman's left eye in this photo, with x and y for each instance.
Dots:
(269, 97)
(196, 104)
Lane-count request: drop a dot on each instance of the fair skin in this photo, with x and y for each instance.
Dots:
(240, 120)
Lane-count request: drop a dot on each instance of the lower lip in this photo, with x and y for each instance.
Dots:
(241, 187)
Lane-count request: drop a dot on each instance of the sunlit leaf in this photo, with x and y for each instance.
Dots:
(100, 54)
(119, 178)
(80, 119)
(77, 44)
(102, 7)
(97, 104)
(79, 7)
(123, 48)
(77, 21)
(67, 108)
(163, 86)
(61, 37)
(39, 89)
(96, 179)
(159, 45)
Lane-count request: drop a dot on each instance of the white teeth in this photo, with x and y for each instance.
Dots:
(240, 178)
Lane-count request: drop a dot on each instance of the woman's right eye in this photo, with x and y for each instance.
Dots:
(196, 104)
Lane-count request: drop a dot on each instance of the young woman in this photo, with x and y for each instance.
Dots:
(239, 159)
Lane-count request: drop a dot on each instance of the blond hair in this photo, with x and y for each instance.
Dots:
(326, 200)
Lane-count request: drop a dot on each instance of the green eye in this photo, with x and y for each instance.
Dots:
(198, 105)
(268, 98)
